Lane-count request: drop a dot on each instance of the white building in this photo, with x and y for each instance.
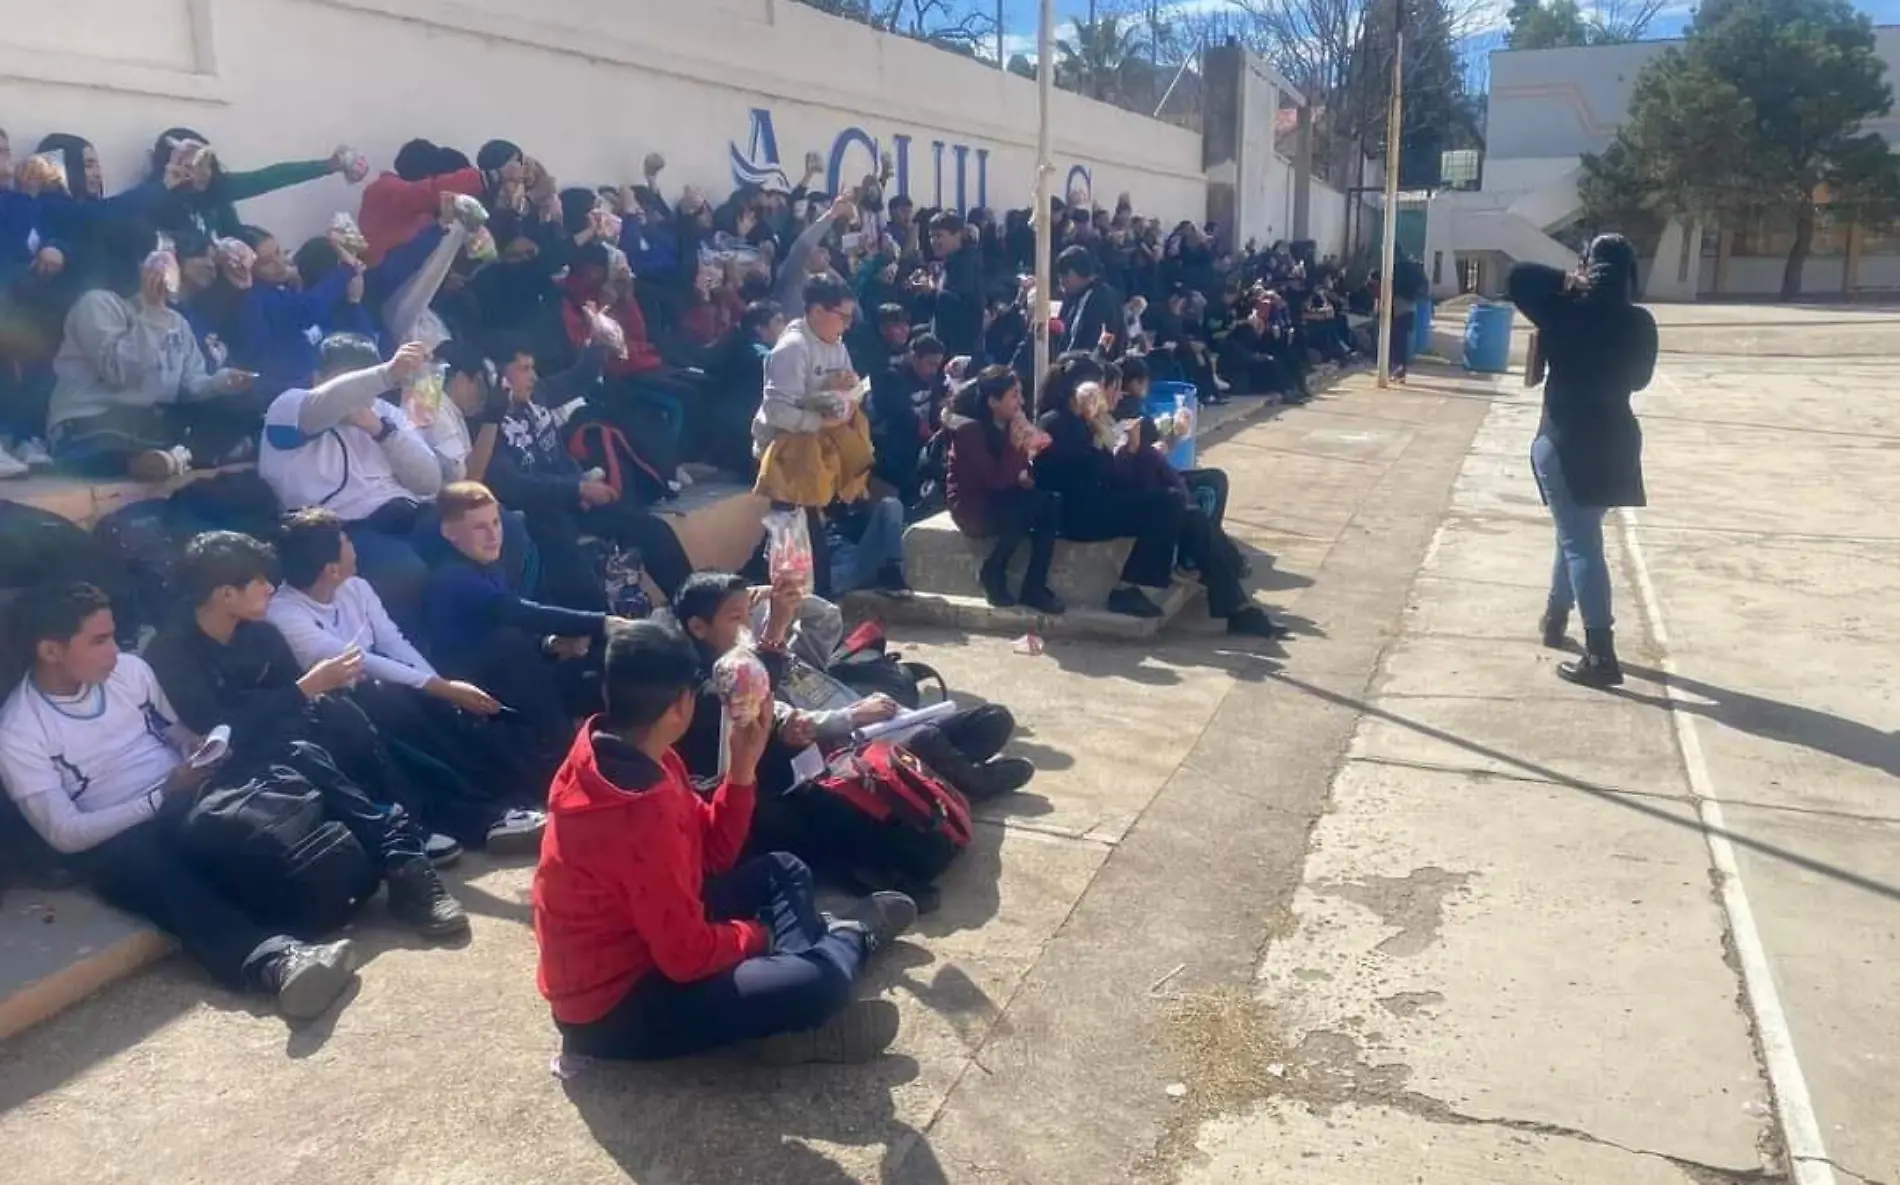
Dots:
(1550, 106)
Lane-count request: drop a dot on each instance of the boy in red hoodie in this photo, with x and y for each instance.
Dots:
(655, 942)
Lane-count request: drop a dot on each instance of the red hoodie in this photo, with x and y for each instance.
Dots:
(395, 211)
(617, 893)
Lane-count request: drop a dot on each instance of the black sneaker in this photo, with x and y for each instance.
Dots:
(883, 917)
(417, 897)
(1253, 622)
(860, 1033)
(1132, 602)
(442, 850)
(1044, 600)
(891, 582)
(1004, 775)
(307, 979)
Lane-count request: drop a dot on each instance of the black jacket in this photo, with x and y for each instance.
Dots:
(1085, 315)
(1600, 352)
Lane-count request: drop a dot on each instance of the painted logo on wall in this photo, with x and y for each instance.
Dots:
(955, 177)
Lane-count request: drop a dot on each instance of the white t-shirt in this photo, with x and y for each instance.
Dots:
(355, 617)
(84, 769)
(342, 469)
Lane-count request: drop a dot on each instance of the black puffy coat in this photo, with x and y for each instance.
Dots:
(1600, 349)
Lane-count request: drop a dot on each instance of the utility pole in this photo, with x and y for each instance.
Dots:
(1000, 63)
(1394, 122)
(1045, 180)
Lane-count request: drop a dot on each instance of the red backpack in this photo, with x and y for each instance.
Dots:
(887, 817)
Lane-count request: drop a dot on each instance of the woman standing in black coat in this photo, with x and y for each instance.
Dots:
(1600, 348)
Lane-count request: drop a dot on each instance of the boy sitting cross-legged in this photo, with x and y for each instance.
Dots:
(656, 942)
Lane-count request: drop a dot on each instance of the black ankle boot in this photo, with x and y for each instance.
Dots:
(1598, 666)
(996, 587)
(1555, 627)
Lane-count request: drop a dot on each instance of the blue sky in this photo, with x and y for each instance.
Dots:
(1019, 16)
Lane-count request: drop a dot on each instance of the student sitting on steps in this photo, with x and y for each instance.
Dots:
(485, 781)
(221, 662)
(656, 941)
(94, 757)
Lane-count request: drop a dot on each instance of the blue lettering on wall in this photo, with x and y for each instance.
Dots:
(1079, 189)
(758, 164)
(903, 161)
(839, 147)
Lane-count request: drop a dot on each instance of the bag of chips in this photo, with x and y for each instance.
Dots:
(346, 236)
(788, 549)
(481, 246)
(422, 395)
(741, 680)
(355, 164)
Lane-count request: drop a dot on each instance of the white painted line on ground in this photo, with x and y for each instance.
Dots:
(1794, 1107)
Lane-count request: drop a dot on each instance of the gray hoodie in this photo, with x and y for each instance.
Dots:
(795, 396)
(122, 353)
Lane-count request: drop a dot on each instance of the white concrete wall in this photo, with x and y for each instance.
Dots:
(1326, 220)
(588, 86)
(1264, 191)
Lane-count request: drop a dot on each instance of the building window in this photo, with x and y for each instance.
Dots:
(1771, 235)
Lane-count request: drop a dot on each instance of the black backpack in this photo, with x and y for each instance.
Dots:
(142, 540)
(865, 663)
(39, 547)
(269, 842)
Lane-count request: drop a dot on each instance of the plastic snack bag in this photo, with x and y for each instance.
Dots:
(606, 330)
(346, 236)
(355, 164)
(742, 682)
(164, 260)
(481, 247)
(788, 549)
(236, 257)
(422, 397)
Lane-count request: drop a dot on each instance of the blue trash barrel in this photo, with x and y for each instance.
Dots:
(1421, 328)
(1488, 338)
(1176, 410)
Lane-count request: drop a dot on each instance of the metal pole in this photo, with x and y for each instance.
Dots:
(1000, 63)
(1394, 121)
(1045, 179)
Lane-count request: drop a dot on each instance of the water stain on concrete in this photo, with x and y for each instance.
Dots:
(1411, 1003)
(1414, 904)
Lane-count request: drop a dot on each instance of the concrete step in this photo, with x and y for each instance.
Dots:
(58, 946)
(975, 615)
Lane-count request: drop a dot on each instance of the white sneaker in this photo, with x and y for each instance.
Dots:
(12, 466)
(32, 450)
(517, 833)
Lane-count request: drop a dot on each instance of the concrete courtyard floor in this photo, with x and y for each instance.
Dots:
(1386, 904)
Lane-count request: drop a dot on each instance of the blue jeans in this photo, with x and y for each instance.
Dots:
(806, 978)
(1580, 576)
(856, 565)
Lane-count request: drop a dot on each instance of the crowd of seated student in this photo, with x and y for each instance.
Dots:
(429, 622)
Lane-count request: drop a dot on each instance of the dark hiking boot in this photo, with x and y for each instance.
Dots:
(996, 588)
(417, 897)
(1598, 666)
(1555, 627)
(1043, 599)
(860, 1033)
(307, 979)
(1253, 622)
(891, 582)
(1132, 602)
(1005, 775)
